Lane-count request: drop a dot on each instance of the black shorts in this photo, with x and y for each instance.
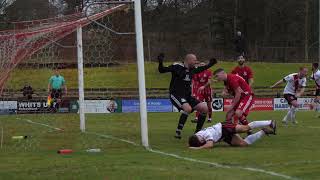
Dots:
(56, 93)
(317, 92)
(178, 101)
(290, 98)
(228, 130)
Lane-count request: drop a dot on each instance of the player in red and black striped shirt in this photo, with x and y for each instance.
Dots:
(202, 91)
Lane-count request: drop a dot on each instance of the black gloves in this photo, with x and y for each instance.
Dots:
(213, 61)
(161, 57)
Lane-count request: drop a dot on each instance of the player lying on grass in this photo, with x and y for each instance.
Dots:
(180, 89)
(296, 84)
(206, 138)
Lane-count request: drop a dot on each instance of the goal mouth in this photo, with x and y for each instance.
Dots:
(29, 37)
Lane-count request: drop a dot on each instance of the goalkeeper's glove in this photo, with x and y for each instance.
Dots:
(213, 61)
(161, 57)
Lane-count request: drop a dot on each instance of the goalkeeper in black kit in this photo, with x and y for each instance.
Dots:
(180, 89)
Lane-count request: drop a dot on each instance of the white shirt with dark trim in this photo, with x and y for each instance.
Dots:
(212, 133)
(316, 78)
(290, 87)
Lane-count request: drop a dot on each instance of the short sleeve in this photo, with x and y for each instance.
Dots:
(50, 80)
(304, 82)
(288, 78)
(250, 73)
(316, 76)
(63, 81)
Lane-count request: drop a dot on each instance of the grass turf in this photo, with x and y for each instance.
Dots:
(125, 76)
(295, 151)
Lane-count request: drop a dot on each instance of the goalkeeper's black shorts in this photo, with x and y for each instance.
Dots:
(178, 101)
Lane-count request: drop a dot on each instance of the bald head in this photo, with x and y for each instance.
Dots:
(190, 60)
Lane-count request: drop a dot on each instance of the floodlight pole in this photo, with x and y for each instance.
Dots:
(141, 75)
(80, 78)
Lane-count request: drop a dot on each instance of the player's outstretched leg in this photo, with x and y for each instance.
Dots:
(257, 124)
(203, 109)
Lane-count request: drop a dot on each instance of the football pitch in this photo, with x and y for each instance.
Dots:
(294, 153)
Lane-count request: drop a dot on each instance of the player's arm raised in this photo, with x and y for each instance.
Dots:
(207, 145)
(161, 68)
(199, 69)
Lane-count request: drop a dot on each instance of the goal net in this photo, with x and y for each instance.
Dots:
(56, 71)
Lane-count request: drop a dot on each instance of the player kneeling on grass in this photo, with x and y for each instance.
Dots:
(296, 84)
(206, 138)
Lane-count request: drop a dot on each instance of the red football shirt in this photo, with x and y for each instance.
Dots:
(234, 81)
(245, 72)
(201, 79)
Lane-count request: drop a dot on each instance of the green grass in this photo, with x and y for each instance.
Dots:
(295, 151)
(125, 76)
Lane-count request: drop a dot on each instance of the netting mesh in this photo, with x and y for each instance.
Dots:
(43, 37)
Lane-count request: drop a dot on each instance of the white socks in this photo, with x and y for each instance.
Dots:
(291, 115)
(259, 124)
(254, 137)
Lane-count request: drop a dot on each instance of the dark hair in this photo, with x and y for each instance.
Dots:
(218, 70)
(315, 65)
(194, 141)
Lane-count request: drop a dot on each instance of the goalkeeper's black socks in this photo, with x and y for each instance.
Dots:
(182, 121)
(201, 120)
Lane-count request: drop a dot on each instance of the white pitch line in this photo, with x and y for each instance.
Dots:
(181, 157)
(112, 137)
(313, 127)
(46, 125)
(202, 162)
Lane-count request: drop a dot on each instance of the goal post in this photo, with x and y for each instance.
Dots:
(140, 65)
(141, 73)
(41, 45)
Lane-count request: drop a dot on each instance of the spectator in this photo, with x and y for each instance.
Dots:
(240, 44)
(27, 91)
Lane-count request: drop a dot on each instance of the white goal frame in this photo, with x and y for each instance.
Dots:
(141, 74)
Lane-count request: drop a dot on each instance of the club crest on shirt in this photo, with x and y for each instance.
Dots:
(187, 78)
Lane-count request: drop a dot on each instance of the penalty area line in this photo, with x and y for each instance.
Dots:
(178, 156)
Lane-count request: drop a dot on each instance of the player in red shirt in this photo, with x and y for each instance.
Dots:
(236, 86)
(244, 71)
(202, 91)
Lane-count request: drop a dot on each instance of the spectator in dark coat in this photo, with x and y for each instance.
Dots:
(240, 44)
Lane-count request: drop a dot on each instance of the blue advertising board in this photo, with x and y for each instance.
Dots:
(153, 105)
